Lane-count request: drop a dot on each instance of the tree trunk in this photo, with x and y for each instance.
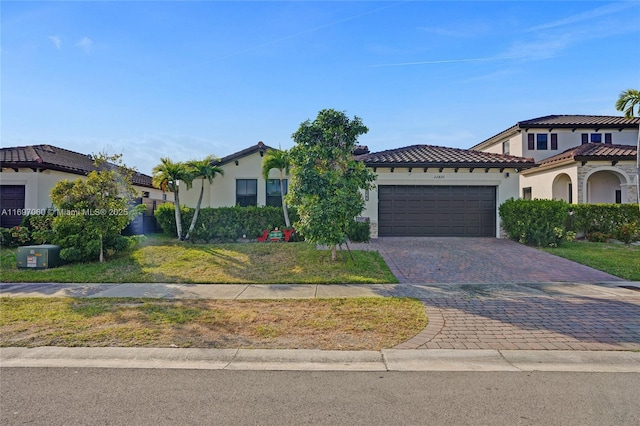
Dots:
(101, 250)
(176, 205)
(284, 204)
(196, 213)
(334, 253)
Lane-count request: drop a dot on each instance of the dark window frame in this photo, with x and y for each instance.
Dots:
(274, 198)
(246, 192)
(542, 142)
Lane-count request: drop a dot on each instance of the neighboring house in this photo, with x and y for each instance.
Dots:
(580, 158)
(30, 172)
(420, 190)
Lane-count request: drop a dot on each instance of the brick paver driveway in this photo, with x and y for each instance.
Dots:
(478, 260)
(486, 293)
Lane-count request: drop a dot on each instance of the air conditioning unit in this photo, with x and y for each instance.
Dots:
(38, 257)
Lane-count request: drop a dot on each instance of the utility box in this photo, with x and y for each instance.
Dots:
(38, 257)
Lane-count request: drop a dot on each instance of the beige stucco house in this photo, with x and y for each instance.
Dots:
(30, 172)
(579, 158)
(420, 190)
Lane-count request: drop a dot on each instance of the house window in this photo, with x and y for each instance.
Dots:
(541, 142)
(585, 138)
(246, 192)
(618, 196)
(607, 138)
(526, 193)
(554, 141)
(596, 138)
(506, 148)
(570, 190)
(531, 142)
(274, 197)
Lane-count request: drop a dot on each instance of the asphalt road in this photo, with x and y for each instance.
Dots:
(88, 396)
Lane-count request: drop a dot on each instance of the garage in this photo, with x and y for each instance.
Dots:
(12, 203)
(437, 211)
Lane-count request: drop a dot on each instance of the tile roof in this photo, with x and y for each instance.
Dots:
(594, 151)
(568, 121)
(54, 158)
(259, 147)
(431, 156)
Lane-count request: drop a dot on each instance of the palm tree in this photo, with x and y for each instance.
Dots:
(627, 102)
(277, 159)
(203, 169)
(166, 176)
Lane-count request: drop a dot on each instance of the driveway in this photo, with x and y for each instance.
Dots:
(419, 260)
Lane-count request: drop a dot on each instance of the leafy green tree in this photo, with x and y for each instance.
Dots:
(278, 159)
(167, 176)
(326, 179)
(201, 169)
(628, 101)
(93, 211)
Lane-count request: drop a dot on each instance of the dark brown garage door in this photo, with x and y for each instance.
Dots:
(437, 211)
(11, 205)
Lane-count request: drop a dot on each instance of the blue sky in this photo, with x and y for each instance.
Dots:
(184, 79)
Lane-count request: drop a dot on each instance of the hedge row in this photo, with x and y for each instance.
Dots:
(549, 222)
(233, 223)
(223, 223)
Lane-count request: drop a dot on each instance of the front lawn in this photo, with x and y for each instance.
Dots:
(161, 260)
(339, 324)
(616, 259)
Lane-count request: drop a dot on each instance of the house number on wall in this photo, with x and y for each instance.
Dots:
(438, 177)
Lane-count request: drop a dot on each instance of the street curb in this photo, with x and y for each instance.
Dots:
(318, 360)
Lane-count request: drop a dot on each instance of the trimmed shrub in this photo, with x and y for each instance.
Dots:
(359, 232)
(535, 222)
(602, 218)
(224, 223)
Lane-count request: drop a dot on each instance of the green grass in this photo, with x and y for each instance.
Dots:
(616, 259)
(169, 261)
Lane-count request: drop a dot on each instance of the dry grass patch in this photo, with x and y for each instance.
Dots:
(347, 324)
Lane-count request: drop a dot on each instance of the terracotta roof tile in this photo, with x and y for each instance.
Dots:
(54, 158)
(594, 151)
(429, 156)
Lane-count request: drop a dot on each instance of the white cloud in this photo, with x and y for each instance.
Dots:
(85, 43)
(585, 16)
(57, 41)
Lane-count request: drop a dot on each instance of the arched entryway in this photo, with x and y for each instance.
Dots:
(605, 186)
(562, 188)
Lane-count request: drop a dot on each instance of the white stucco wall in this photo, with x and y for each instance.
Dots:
(222, 192)
(541, 183)
(506, 187)
(38, 186)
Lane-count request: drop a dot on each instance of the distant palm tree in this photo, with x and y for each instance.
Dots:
(627, 102)
(202, 169)
(278, 159)
(166, 176)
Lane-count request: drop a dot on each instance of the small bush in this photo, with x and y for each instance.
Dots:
(359, 232)
(598, 237)
(627, 232)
